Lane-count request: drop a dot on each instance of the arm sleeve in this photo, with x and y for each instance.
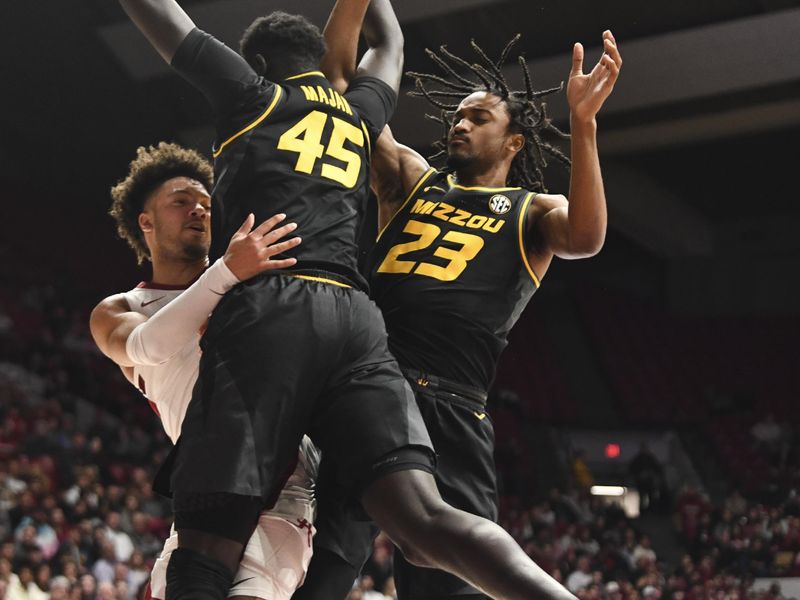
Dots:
(374, 102)
(218, 72)
(164, 334)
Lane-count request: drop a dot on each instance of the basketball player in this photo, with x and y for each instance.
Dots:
(162, 210)
(290, 143)
(459, 254)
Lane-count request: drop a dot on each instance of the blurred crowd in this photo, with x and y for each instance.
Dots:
(598, 553)
(78, 449)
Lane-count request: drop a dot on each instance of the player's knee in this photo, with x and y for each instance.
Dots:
(421, 533)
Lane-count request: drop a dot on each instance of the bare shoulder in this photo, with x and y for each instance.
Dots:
(114, 304)
(103, 314)
(546, 213)
(544, 203)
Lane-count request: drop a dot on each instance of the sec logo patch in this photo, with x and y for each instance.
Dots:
(499, 204)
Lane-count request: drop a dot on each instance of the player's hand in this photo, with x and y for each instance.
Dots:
(251, 250)
(586, 93)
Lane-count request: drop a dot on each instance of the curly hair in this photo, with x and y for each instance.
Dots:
(152, 166)
(291, 43)
(527, 114)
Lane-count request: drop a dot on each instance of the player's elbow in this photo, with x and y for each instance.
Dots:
(587, 244)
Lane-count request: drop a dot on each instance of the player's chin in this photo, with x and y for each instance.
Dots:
(457, 159)
(197, 250)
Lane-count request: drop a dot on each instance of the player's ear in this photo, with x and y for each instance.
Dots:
(516, 142)
(260, 65)
(145, 222)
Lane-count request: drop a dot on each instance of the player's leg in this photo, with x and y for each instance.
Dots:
(407, 506)
(275, 560)
(212, 530)
(341, 545)
(330, 577)
(463, 436)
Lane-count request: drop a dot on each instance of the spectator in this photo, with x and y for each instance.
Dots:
(691, 505)
(648, 477)
(23, 587)
(644, 551)
(59, 588)
(581, 576)
(121, 541)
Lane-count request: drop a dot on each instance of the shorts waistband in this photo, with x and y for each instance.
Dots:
(436, 383)
(322, 277)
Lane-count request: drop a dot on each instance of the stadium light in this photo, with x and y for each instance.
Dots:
(607, 490)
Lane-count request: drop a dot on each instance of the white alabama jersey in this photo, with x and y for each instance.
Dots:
(167, 386)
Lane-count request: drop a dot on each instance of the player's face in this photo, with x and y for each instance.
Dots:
(177, 220)
(479, 135)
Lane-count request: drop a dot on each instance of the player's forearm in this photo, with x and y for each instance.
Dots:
(171, 328)
(383, 35)
(341, 40)
(163, 22)
(381, 28)
(587, 214)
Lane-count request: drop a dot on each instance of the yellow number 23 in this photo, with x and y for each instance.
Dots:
(428, 233)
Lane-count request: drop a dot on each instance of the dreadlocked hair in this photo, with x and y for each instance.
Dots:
(152, 166)
(527, 113)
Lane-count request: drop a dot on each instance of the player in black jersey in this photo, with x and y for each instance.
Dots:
(304, 350)
(459, 254)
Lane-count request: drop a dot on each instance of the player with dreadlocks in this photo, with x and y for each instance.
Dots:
(460, 253)
(527, 116)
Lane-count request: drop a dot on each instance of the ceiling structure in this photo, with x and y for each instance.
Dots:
(692, 141)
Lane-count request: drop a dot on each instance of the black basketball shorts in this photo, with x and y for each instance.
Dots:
(463, 436)
(287, 354)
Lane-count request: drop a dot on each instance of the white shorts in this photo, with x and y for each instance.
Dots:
(274, 564)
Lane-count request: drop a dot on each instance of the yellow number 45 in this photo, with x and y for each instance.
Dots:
(305, 139)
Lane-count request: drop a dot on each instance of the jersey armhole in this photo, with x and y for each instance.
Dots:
(523, 221)
(276, 96)
(420, 181)
(366, 135)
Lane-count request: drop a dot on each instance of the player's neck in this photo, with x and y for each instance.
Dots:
(172, 272)
(491, 177)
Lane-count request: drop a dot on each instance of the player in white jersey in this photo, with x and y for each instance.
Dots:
(152, 333)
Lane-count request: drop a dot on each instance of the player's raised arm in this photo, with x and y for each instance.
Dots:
(384, 58)
(577, 229)
(163, 22)
(341, 42)
(129, 338)
(395, 171)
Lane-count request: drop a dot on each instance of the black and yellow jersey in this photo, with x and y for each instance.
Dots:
(297, 147)
(451, 275)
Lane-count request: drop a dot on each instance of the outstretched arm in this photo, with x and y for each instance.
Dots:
(384, 59)
(163, 22)
(129, 338)
(577, 229)
(341, 40)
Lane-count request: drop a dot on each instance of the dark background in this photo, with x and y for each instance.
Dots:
(698, 141)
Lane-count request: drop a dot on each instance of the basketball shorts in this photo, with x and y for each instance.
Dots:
(463, 436)
(287, 354)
